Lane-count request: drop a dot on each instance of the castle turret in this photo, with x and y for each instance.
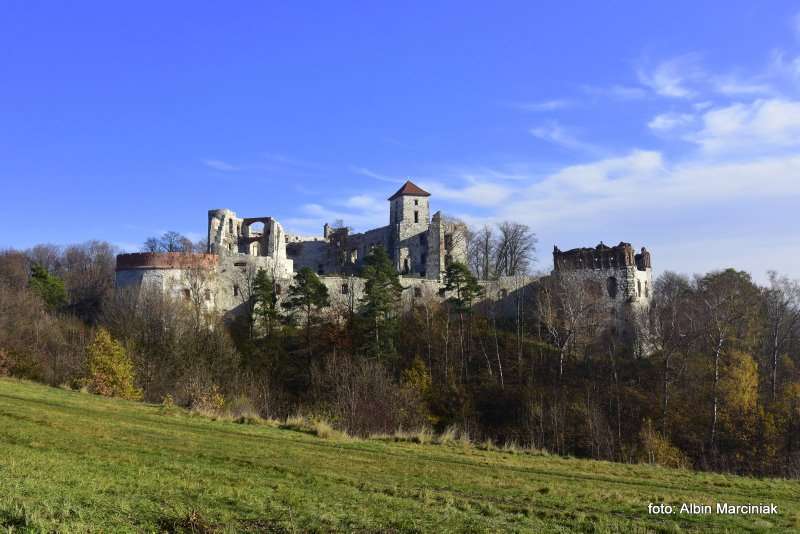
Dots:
(409, 218)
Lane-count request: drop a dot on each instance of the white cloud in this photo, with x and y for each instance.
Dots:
(619, 92)
(554, 133)
(671, 78)
(366, 202)
(546, 105)
(219, 165)
(363, 171)
(733, 87)
(666, 122)
(757, 127)
(477, 192)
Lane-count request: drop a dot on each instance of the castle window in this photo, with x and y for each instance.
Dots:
(646, 290)
(406, 265)
(208, 294)
(416, 202)
(278, 289)
(611, 287)
(417, 290)
(416, 216)
(235, 290)
(639, 288)
(230, 225)
(345, 289)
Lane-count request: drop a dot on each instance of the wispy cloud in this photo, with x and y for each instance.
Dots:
(219, 165)
(545, 105)
(665, 122)
(475, 192)
(555, 133)
(672, 77)
(618, 92)
(757, 127)
(363, 171)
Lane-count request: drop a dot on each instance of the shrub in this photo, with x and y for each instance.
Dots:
(110, 369)
(656, 449)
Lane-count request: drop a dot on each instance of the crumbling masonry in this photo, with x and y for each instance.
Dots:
(420, 246)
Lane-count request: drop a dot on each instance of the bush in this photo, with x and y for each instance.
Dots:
(656, 449)
(110, 369)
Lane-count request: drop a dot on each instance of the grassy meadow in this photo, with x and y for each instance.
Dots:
(73, 462)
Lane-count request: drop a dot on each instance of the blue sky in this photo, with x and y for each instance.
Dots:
(674, 125)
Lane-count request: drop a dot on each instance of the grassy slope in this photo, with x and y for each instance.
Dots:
(76, 462)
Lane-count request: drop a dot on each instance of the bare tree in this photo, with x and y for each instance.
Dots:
(782, 300)
(567, 310)
(170, 242)
(482, 247)
(515, 251)
(89, 277)
(667, 331)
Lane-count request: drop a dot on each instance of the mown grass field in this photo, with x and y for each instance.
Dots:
(74, 462)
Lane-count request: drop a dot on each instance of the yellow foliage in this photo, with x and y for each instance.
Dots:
(656, 449)
(738, 384)
(110, 368)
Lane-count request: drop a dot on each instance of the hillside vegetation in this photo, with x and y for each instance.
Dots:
(78, 462)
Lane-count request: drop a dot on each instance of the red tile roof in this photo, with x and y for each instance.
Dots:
(411, 189)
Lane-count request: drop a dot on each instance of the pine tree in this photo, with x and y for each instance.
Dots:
(381, 300)
(266, 300)
(464, 290)
(307, 294)
(48, 286)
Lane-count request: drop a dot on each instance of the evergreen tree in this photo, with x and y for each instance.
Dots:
(266, 300)
(47, 286)
(459, 280)
(307, 294)
(381, 300)
(464, 289)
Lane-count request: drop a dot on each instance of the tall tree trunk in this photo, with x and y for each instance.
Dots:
(717, 353)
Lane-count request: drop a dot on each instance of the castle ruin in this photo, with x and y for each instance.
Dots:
(420, 246)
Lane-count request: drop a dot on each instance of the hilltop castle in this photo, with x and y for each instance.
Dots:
(420, 246)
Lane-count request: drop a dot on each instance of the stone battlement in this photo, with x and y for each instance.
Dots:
(601, 257)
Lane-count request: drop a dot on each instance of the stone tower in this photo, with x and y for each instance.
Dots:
(409, 219)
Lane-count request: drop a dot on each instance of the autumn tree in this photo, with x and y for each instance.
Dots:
(110, 368)
(727, 311)
(782, 303)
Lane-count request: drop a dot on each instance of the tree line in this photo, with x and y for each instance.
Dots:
(708, 376)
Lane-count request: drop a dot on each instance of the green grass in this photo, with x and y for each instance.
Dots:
(75, 462)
